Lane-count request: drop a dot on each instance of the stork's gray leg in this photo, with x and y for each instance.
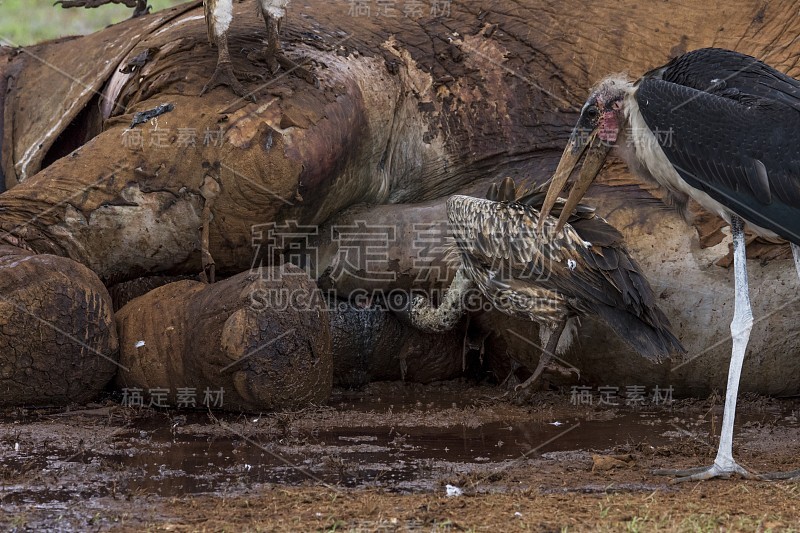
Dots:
(273, 47)
(724, 465)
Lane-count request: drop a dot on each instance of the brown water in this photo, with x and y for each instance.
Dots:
(177, 454)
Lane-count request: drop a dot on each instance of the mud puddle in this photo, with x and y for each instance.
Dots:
(400, 439)
(158, 457)
(390, 446)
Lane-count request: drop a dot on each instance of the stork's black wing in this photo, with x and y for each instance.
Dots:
(725, 72)
(743, 152)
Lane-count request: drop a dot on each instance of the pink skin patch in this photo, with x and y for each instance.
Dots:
(609, 127)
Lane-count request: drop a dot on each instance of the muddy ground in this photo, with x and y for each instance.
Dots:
(380, 459)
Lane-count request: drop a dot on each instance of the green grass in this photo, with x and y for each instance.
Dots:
(24, 22)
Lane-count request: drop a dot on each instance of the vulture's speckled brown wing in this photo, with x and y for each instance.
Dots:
(503, 251)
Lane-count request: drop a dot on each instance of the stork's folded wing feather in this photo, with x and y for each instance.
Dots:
(746, 157)
(722, 72)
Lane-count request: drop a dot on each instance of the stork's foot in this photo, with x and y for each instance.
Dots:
(715, 471)
(708, 472)
(275, 60)
(522, 394)
(298, 70)
(561, 370)
(267, 55)
(224, 76)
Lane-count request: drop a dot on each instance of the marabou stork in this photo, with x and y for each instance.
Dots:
(721, 128)
(585, 270)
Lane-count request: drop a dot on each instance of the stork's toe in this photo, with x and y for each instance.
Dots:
(275, 60)
(297, 69)
(224, 76)
(704, 473)
(775, 476)
(267, 56)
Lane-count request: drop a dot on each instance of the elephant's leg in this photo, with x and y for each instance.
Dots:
(58, 343)
(245, 343)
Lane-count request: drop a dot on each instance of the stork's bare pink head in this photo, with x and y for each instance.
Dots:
(602, 112)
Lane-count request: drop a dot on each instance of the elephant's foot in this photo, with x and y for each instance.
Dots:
(243, 343)
(58, 343)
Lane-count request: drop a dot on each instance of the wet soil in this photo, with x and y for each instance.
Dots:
(384, 459)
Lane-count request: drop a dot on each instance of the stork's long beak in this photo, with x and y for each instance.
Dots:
(592, 164)
(572, 154)
(578, 142)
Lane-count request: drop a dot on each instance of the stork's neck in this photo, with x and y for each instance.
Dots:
(640, 149)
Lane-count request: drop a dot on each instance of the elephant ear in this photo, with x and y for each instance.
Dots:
(84, 67)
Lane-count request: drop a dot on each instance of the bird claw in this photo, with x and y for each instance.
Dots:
(775, 476)
(224, 75)
(275, 60)
(301, 72)
(522, 394)
(265, 56)
(704, 473)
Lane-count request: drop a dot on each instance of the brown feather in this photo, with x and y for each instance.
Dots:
(548, 277)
